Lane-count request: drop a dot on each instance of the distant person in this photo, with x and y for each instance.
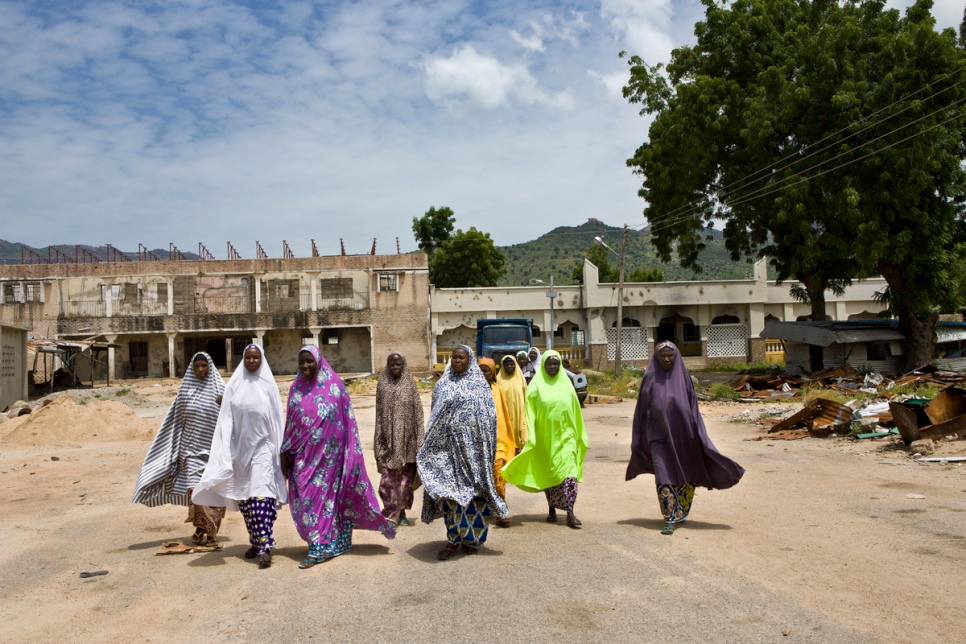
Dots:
(533, 364)
(329, 490)
(514, 389)
(505, 446)
(399, 433)
(455, 461)
(177, 457)
(244, 470)
(553, 459)
(670, 441)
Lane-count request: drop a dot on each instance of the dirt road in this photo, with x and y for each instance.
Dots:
(819, 542)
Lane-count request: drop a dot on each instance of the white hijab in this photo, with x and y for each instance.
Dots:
(244, 459)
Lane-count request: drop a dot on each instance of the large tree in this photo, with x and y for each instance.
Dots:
(827, 137)
(467, 260)
(434, 228)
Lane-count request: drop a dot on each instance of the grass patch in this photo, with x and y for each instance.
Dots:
(918, 390)
(122, 392)
(605, 383)
(722, 391)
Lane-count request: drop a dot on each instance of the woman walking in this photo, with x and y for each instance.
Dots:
(514, 389)
(329, 490)
(505, 447)
(670, 440)
(399, 433)
(553, 459)
(177, 457)
(455, 461)
(244, 470)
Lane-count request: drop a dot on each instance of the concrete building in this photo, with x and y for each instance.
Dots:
(707, 320)
(357, 308)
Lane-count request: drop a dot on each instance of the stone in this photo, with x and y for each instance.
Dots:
(925, 447)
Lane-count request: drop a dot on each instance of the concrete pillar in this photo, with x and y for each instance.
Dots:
(228, 357)
(259, 338)
(315, 331)
(314, 298)
(170, 297)
(258, 293)
(172, 365)
(547, 331)
(841, 311)
(111, 373)
(109, 305)
(789, 314)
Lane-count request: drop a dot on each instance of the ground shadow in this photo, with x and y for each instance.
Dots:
(156, 543)
(219, 557)
(369, 550)
(657, 524)
(426, 552)
(542, 518)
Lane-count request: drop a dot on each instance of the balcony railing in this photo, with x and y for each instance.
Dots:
(83, 309)
(223, 304)
(140, 308)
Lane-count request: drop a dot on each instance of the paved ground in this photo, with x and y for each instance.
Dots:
(818, 543)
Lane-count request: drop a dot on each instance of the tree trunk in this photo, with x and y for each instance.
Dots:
(816, 353)
(920, 339)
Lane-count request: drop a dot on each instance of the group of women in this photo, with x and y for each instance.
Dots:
(228, 447)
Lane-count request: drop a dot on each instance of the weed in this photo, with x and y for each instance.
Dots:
(917, 390)
(84, 400)
(718, 366)
(722, 391)
(122, 392)
(97, 395)
(605, 383)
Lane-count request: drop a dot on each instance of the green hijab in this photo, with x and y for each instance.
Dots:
(557, 440)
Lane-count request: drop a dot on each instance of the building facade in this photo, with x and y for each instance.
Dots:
(356, 308)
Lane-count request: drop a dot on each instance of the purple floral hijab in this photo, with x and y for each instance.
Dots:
(328, 483)
(669, 438)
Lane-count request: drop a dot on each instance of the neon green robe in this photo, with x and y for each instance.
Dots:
(557, 440)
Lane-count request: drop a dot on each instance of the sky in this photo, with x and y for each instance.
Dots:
(187, 121)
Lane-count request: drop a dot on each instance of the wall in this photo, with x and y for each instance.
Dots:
(13, 365)
(352, 354)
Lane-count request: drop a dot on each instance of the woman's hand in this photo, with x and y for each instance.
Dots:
(286, 465)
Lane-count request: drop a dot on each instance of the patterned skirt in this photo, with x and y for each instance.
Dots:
(259, 514)
(466, 525)
(342, 542)
(396, 489)
(675, 501)
(563, 496)
(205, 518)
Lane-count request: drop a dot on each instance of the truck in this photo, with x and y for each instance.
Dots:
(496, 338)
(505, 336)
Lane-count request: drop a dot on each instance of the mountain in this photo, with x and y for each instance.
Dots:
(559, 251)
(11, 253)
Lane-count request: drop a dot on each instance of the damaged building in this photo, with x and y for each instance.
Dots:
(154, 315)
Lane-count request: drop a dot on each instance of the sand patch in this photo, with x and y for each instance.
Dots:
(65, 420)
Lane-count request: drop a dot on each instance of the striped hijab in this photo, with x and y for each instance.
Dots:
(178, 455)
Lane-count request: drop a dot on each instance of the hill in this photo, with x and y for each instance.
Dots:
(560, 250)
(11, 252)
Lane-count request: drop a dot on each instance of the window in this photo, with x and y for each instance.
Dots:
(877, 350)
(115, 290)
(11, 292)
(691, 332)
(388, 282)
(577, 338)
(536, 331)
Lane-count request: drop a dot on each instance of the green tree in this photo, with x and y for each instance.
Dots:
(467, 260)
(825, 135)
(641, 274)
(434, 228)
(598, 257)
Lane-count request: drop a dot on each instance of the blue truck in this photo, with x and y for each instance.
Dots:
(500, 337)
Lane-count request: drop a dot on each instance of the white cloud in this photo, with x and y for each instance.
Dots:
(485, 81)
(533, 42)
(644, 26)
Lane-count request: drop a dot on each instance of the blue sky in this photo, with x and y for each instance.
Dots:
(208, 120)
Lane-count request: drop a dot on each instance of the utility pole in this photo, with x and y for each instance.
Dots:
(620, 307)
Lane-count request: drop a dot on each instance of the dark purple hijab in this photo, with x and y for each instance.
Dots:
(670, 440)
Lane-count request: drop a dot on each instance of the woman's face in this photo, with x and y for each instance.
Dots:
(509, 365)
(532, 355)
(523, 361)
(200, 368)
(485, 368)
(460, 360)
(394, 365)
(665, 358)
(552, 366)
(308, 367)
(253, 359)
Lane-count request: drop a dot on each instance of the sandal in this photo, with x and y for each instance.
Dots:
(668, 529)
(503, 523)
(251, 553)
(310, 561)
(573, 521)
(265, 559)
(198, 537)
(404, 522)
(448, 551)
